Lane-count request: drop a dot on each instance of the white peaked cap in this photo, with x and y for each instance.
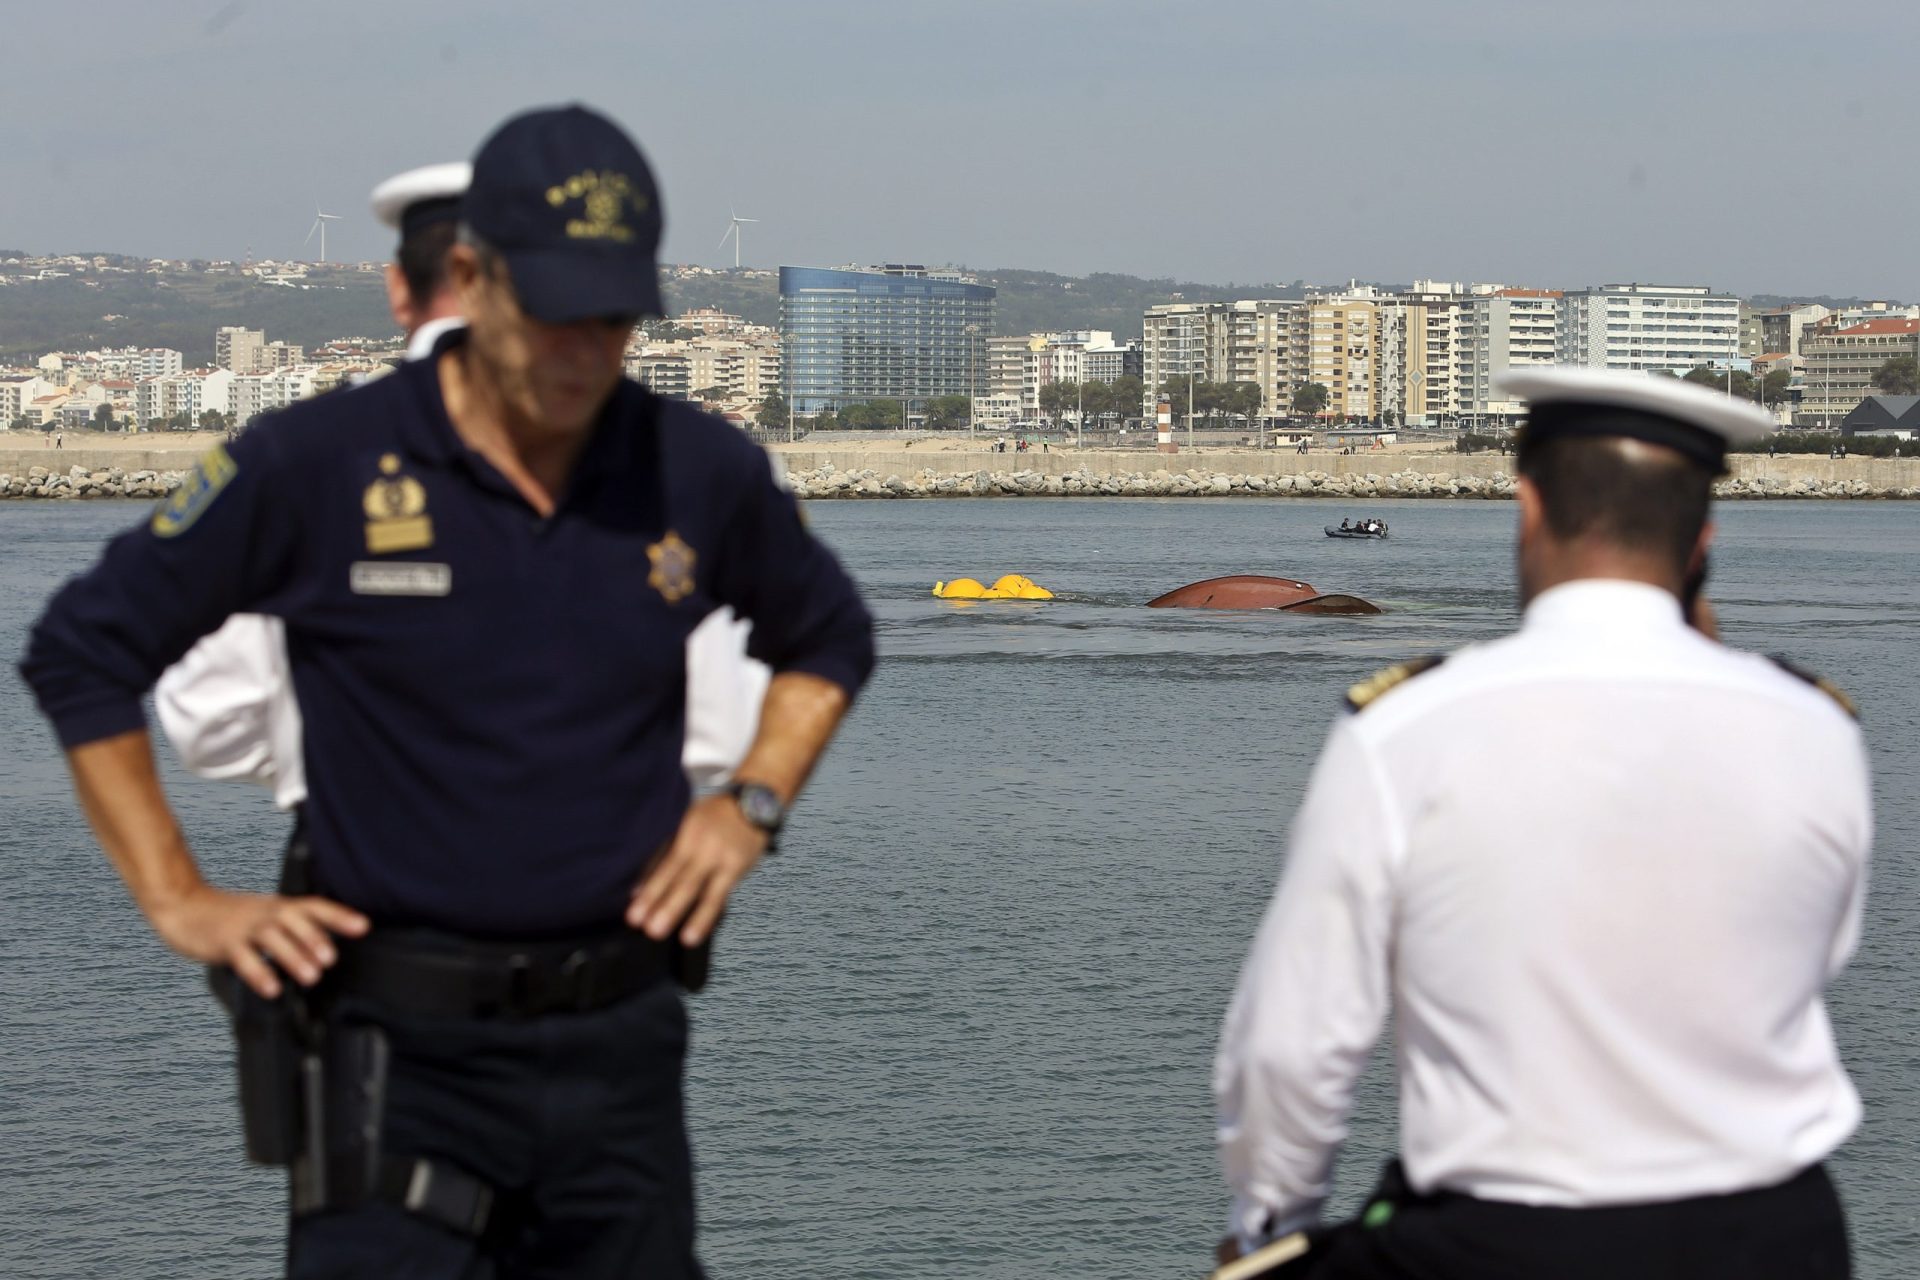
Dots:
(392, 198)
(1584, 401)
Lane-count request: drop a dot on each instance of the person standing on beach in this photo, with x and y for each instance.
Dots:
(1602, 871)
(488, 564)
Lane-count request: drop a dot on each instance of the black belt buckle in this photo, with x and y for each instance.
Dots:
(577, 980)
(518, 1002)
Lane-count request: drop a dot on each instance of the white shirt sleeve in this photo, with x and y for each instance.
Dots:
(724, 691)
(1312, 998)
(228, 707)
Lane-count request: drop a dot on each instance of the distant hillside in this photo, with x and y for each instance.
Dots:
(182, 306)
(1765, 301)
(1028, 302)
(181, 309)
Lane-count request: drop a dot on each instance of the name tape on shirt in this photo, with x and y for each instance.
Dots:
(400, 578)
(179, 509)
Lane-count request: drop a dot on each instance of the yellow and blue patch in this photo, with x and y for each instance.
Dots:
(179, 509)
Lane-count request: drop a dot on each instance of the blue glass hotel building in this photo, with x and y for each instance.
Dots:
(894, 332)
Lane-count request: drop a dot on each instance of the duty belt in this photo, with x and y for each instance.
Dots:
(442, 975)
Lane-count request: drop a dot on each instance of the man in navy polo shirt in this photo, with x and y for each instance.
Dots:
(488, 564)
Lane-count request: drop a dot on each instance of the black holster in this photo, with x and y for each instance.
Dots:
(313, 1097)
(274, 1060)
(275, 1041)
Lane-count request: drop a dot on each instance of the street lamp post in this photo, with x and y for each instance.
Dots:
(973, 336)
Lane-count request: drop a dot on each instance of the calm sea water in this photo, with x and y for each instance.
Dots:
(962, 1025)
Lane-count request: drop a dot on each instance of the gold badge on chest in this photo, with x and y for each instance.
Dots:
(673, 562)
(396, 509)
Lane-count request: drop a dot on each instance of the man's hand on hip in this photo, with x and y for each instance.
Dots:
(246, 930)
(689, 885)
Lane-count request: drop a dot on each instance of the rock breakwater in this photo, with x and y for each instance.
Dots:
(831, 482)
(828, 481)
(79, 482)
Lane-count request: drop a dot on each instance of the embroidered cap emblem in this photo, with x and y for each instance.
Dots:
(602, 195)
(673, 561)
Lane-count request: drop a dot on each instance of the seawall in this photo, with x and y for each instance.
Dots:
(1227, 473)
(108, 472)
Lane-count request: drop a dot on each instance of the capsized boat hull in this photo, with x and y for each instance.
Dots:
(1259, 591)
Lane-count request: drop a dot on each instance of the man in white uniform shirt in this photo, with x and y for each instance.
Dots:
(228, 706)
(1601, 870)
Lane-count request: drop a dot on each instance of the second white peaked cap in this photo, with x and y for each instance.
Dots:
(392, 198)
(1598, 391)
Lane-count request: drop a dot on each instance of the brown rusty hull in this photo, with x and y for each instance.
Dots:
(1335, 603)
(1237, 591)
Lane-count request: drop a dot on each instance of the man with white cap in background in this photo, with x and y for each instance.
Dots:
(1601, 870)
(228, 706)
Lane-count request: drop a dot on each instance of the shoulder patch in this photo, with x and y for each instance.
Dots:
(1819, 682)
(179, 509)
(1361, 695)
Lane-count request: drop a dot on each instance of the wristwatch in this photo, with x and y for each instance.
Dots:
(760, 805)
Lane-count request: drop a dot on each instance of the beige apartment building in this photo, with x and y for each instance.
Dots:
(1336, 343)
(1837, 366)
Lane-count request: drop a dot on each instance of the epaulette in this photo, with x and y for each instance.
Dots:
(1819, 682)
(1361, 695)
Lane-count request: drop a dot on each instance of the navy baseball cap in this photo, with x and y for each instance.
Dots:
(568, 200)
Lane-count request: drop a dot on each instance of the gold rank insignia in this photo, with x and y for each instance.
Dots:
(1364, 693)
(673, 561)
(396, 509)
(1819, 682)
(193, 495)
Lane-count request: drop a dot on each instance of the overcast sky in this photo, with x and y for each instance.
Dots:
(1757, 146)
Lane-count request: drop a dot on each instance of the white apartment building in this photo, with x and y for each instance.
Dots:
(712, 322)
(17, 395)
(1500, 329)
(665, 374)
(252, 394)
(1111, 361)
(1017, 367)
(1006, 365)
(1174, 343)
(743, 368)
(1670, 328)
(996, 409)
(192, 394)
(160, 362)
(1250, 340)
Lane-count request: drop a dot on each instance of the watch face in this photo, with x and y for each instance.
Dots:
(761, 806)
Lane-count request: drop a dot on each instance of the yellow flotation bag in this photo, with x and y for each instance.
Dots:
(960, 589)
(1013, 586)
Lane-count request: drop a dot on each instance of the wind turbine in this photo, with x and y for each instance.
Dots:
(320, 221)
(733, 229)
